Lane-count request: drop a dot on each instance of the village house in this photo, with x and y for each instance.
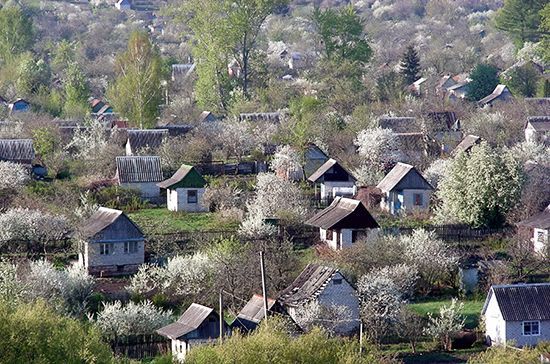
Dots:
(19, 105)
(112, 244)
(344, 222)
(185, 190)
(252, 313)
(417, 87)
(207, 117)
(537, 129)
(404, 189)
(517, 314)
(501, 93)
(198, 325)
(327, 287)
(444, 83)
(314, 158)
(149, 139)
(446, 129)
(20, 151)
(101, 110)
(332, 180)
(466, 144)
(123, 5)
(538, 229)
(458, 91)
(182, 71)
(140, 173)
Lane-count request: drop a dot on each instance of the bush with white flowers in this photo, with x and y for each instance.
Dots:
(13, 176)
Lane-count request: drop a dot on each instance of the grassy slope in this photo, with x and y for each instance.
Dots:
(471, 311)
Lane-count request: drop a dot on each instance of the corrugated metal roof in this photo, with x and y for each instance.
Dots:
(101, 219)
(522, 302)
(466, 144)
(539, 123)
(181, 174)
(394, 176)
(16, 150)
(142, 138)
(138, 169)
(307, 285)
(497, 92)
(191, 319)
(344, 213)
(254, 308)
(540, 220)
(399, 124)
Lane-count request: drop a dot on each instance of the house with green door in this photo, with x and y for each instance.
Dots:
(184, 190)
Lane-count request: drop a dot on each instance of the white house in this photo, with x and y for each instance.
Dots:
(141, 173)
(198, 325)
(332, 180)
(112, 244)
(404, 188)
(344, 222)
(123, 5)
(328, 287)
(537, 129)
(184, 190)
(517, 314)
(539, 229)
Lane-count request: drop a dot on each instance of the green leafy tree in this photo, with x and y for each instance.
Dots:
(136, 93)
(76, 92)
(544, 45)
(480, 187)
(544, 88)
(16, 32)
(33, 74)
(484, 80)
(521, 19)
(390, 86)
(342, 34)
(523, 80)
(410, 65)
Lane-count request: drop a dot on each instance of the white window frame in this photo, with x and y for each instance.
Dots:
(106, 248)
(524, 323)
(131, 247)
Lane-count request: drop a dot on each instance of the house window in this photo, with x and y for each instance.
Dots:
(337, 280)
(192, 196)
(418, 199)
(531, 328)
(106, 249)
(540, 237)
(130, 247)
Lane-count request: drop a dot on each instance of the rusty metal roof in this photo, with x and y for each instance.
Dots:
(466, 144)
(538, 221)
(521, 302)
(344, 213)
(191, 319)
(16, 150)
(137, 169)
(143, 138)
(308, 285)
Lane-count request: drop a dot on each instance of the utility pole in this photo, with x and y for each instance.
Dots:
(264, 289)
(221, 316)
(360, 336)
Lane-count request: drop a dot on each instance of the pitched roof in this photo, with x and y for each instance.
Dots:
(396, 175)
(399, 124)
(274, 117)
(308, 285)
(324, 168)
(16, 150)
(344, 213)
(186, 176)
(466, 144)
(191, 319)
(100, 220)
(538, 221)
(497, 92)
(539, 123)
(138, 169)
(141, 138)
(521, 302)
(254, 308)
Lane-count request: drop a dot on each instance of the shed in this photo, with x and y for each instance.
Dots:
(123, 5)
(253, 313)
(334, 180)
(344, 222)
(539, 229)
(500, 93)
(517, 314)
(404, 188)
(327, 287)
(537, 129)
(207, 117)
(19, 151)
(112, 243)
(139, 139)
(141, 173)
(466, 144)
(400, 124)
(19, 105)
(180, 72)
(198, 325)
(185, 190)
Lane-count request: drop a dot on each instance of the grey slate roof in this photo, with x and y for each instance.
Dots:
(308, 285)
(100, 220)
(141, 138)
(499, 91)
(16, 150)
(539, 123)
(538, 221)
(273, 117)
(254, 309)
(324, 168)
(521, 302)
(191, 319)
(138, 169)
(398, 173)
(344, 213)
(399, 124)
(466, 144)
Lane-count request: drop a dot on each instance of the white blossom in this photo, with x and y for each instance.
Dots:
(13, 176)
(529, 151)
(32, 225)
(435, 172)
(378, 147)
(287, 162)
(88, 143)
(447, 324)
(403, 276)
(329, 317)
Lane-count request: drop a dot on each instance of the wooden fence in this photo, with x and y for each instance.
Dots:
(457, 233)
(140, 346)
(217, 168)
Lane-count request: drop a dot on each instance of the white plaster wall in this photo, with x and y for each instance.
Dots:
(514, 333)
(342, 295)
(495, 326)
(540, 247)
(147, 189)
(92, 258)
(327, 188)
(177, 200)
(179, 349)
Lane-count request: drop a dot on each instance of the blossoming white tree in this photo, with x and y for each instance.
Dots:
(88, 143)
(312, 314)
(435, 172)
(447, 324)
(12, 176)
(378, 148)
(287, 163)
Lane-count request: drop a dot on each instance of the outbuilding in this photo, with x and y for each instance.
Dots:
(538, 227)
(185, 190)
(145, 139)
(332, 180)
(141, 173)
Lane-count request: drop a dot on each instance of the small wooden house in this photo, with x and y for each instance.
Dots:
(458, 91)
(466, 144)
(538, 227)
(326, 286)
(501, 93)
(332, 180)
(314, 159)
(184, 190)
(252, 313)
(344, 222)
(19, 105)
(404, 188)
(20, 151)
(400, 124)
(537, 129)
(140, 173)
(517, 314)
(140, 139)
(198, 325)
(112, 244)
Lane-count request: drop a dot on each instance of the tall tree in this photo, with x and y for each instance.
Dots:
(136, 93)
(410, 65)
(544, 46)
(484, 80)
(76, 91)
(523, 80)
(521, 19)
(16, 32)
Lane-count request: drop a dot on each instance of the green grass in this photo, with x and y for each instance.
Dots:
(471, 310)
(160, 220)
